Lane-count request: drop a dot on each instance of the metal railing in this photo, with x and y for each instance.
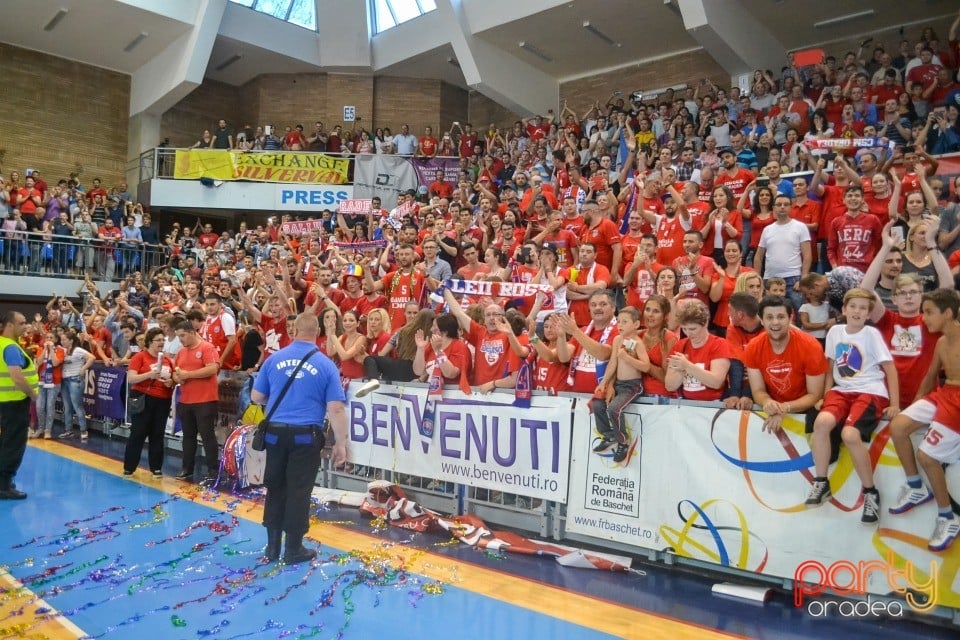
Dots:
(40, 254)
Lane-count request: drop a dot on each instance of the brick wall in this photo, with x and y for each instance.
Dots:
(687, 68)
(454, 105)
(185, 122)
(483, 111)
(57, 115)
(412, 101)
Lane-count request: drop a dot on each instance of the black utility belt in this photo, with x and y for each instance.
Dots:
(292, 428)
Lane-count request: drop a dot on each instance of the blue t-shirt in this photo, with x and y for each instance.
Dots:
(13, 356)
(317, 383)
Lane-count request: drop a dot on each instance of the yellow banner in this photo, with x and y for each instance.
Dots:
(292, 167)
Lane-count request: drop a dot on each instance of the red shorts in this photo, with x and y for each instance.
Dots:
(947, 399)
(861, 411)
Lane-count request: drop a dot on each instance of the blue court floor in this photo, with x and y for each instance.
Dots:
(125, 559)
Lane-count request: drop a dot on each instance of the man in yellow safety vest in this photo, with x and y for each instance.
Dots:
(18, 387)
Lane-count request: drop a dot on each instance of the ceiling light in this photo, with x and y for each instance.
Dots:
(136, 42)
(229, 61)
(600, 34)
(55, 20)
(529, 48)
(832, 22)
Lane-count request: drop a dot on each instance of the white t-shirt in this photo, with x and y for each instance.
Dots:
(781, 242)
(74, 361)
(856, 359)
(816, 313)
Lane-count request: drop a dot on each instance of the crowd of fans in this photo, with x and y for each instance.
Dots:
(673, 258)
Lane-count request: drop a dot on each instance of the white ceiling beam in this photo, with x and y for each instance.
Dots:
(179, 69)
(493, 72)
(732, 35)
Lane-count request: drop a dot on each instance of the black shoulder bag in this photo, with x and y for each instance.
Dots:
(259, 436)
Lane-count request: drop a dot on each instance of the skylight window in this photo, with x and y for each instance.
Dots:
(389, 13)
(302, 13)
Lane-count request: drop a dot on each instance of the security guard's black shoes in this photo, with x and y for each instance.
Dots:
(296, 553)
(9, 492)
(274, 544)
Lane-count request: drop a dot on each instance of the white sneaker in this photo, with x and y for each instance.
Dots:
(944, 533)
(367, 387)
(910, 498)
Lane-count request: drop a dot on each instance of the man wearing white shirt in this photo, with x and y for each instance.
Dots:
(784, 249)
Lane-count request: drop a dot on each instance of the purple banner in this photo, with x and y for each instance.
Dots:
(104, 392)
(427, 168)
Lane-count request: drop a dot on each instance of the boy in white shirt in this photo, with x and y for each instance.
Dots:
(857, 397)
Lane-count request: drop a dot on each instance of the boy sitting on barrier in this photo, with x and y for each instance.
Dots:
(622, 382)
(857, 397)
(941, 410)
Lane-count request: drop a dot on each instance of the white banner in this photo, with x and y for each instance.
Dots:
(478, 440)
(711, 485)
(311, 197)
(384, 177)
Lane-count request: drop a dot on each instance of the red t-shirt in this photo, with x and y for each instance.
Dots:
(714, 349)
(604, 236)
(143, 362)
(493, 357)
(376, 345)
(911, 346)
(643, 286)
(737, 182)
(564, 241)
(652, 386)
(275, 336)
(785, 374)
(581, 308)
(467, 143)
(207, 240)
(721, 316)
(400, 289)
(552, 376)
(686, 270)
(670, 234)
(457, 353)
(197, 390)
(428, 146)
(808, 213)
(349, 368)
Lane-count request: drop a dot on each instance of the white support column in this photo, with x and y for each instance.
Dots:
(166, 79)
(495, 73)
(729, 33)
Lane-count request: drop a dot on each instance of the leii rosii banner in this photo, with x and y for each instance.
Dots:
(288, 167)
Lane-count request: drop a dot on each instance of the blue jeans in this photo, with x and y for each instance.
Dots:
(795, 296)
(71, 391)
(45, 402)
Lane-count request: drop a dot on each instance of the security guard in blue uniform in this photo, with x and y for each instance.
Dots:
(294, 439)
(18, 387)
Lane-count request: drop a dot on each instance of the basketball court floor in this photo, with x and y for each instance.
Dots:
(92, 554)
